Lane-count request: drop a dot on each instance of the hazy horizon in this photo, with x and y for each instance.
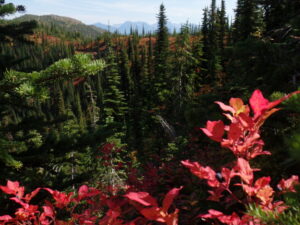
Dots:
(120, 11)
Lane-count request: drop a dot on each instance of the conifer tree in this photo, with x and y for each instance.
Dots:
(279, 13)
(114, 105)
(161, 57)
(248, 20)
(60, 102)
(79, 113)
(183, 68)
(210, 28)
(150, 62)
(11, 33)
(223, 27)
(21, 91)
(213, 58)
(126, 79)
(93, 110)
(205, 40)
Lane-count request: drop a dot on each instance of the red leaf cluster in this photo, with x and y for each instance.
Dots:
(243, 139)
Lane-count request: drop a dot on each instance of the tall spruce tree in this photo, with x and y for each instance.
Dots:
(161, 57)
(222, 28)
(210, 31)
(205, 40)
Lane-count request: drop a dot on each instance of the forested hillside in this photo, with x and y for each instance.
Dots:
(103, 128)
(60, 26)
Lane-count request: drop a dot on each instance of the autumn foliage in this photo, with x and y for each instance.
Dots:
(234, 184)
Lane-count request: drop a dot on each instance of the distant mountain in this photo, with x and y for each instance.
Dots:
(54, 23)
(127, 26)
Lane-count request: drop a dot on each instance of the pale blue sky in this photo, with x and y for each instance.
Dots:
(119, 11)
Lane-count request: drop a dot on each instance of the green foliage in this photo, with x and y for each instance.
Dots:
(31, 88)
(161, 58)
(292, 140)
(62, 27)
(248, 20)
(290, 216)
(10, 33)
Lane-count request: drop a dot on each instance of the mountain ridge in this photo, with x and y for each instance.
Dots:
(63, 24)
(140, 26)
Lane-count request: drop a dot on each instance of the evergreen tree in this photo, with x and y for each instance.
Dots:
(12, 32)
(150, 62)
(126, 79)
(114, 105)
(60, 102)
(20, 92)
(210, 28)
(248, 20)
(161, 57)
(205, 40)
(278, 13)
(223, 28)
(183, 68)
(79, 113)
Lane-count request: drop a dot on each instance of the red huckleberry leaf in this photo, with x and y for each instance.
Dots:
(13, 188)
(202, 172)
(172, 219)
(244, 170)
(48, 216)
(62, 199)
(265, 194)
(5, 218)
(28, 197)
(86, 192)
(232, 219)
(289, 184)
(214, 130)
(258, 103)
(238, 105)
(142, 197)
(169, 198)
(153, 213)
(225, 108)
(234, 132)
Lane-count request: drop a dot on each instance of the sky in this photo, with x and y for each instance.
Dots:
(119, 11)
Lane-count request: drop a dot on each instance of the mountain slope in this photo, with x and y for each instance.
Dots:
(59, 24)
(126, 27)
